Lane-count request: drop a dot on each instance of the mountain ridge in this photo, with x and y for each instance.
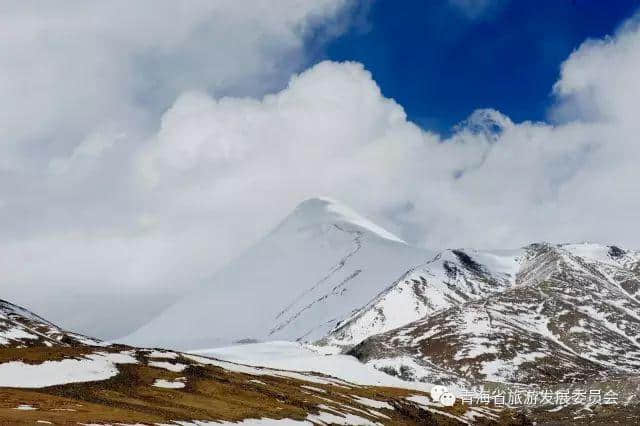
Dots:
(20, 327)
(572, 315)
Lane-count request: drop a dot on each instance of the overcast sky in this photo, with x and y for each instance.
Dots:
(144, 144)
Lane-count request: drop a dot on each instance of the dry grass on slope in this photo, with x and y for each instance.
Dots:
(210, 392)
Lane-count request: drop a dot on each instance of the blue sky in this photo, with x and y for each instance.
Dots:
(442, 59)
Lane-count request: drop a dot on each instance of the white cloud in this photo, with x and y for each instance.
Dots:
(66, 70)
(599, 80)
(492, 184)
(122, 210)
(82, 85)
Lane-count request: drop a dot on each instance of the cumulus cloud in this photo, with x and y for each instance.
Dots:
(69, 69)
(599, 80)
(133, 214)
(493, 183)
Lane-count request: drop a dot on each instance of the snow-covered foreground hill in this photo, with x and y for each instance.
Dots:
(295, 356)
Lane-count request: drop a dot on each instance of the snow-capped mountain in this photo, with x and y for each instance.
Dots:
(20, 327)
(320, 266)
(571, 315)
(450, 278)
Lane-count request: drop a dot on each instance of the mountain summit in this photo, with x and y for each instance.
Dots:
(323, 210)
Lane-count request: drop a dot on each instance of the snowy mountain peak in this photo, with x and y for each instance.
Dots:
(327, 211)
(572, 316)
(319, 266)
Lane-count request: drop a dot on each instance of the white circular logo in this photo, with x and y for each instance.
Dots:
(447, 399)
(442, 395)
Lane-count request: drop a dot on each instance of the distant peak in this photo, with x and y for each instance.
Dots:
(316, 203)
(487, 122)
(327, 210)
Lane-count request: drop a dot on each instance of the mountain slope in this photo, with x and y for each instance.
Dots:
(20, 327)
(318, 267)
(58, 380)
(452, 277)
(572, 315)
